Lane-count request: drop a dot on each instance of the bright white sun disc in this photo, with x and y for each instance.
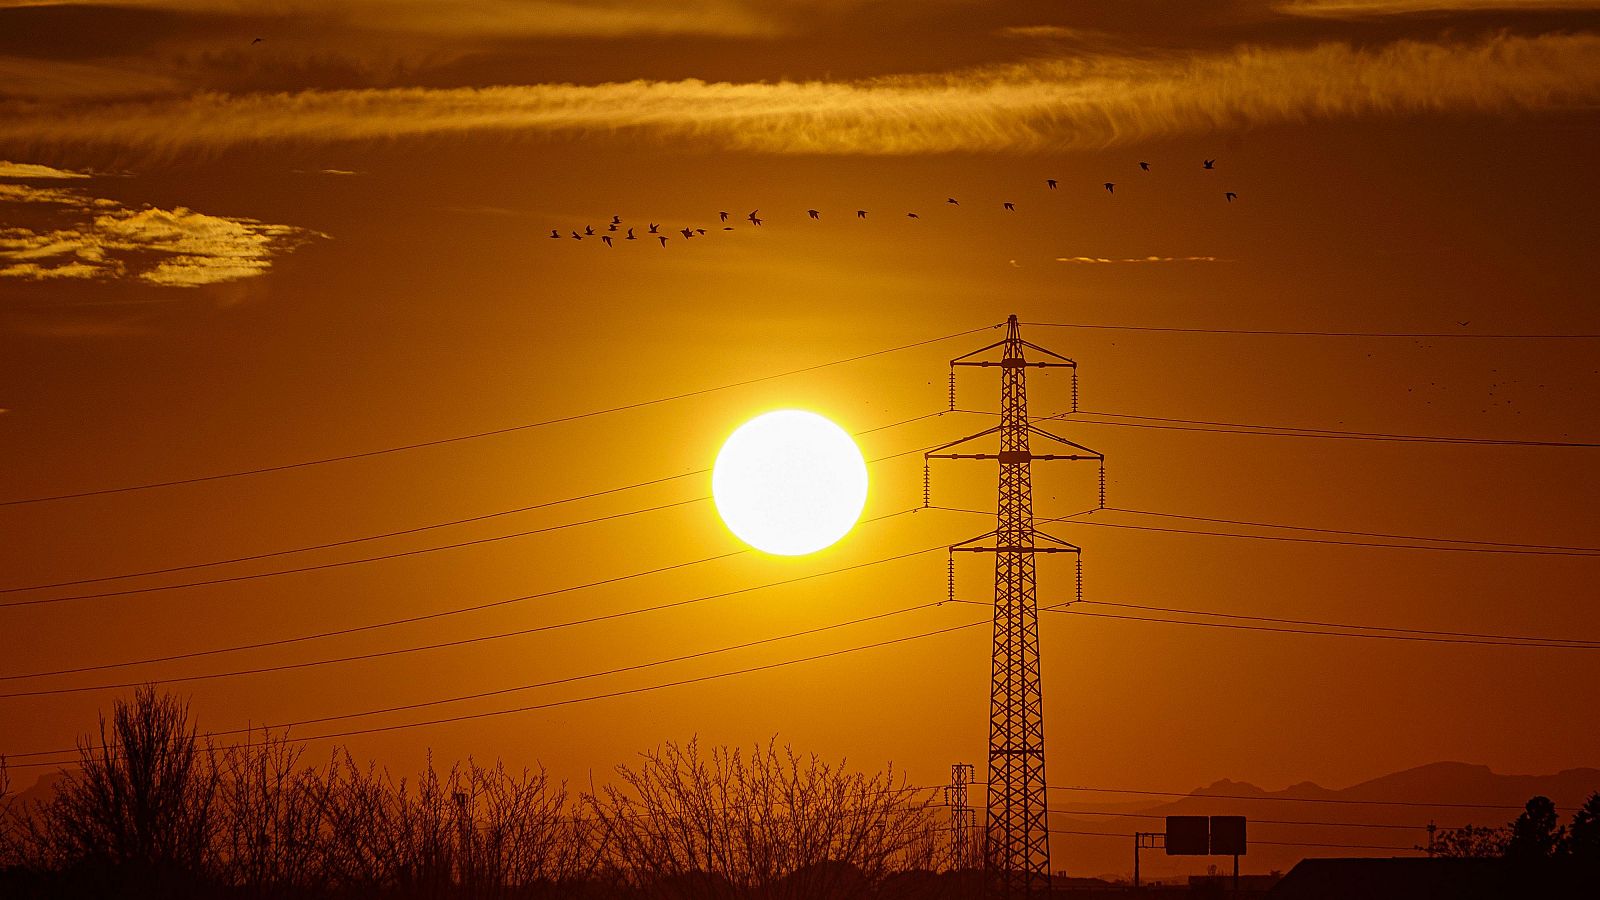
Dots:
(789, 482)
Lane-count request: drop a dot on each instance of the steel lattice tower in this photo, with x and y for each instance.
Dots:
(1017, 830)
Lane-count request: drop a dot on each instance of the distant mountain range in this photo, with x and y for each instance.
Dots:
(1384, 816)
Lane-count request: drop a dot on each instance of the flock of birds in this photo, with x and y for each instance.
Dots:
(616, 230)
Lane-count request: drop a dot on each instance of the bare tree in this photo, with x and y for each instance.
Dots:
(772, 824)
(138, 812)
(1471, 841)
(267, 820)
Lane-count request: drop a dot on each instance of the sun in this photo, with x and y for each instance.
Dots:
(789, 482)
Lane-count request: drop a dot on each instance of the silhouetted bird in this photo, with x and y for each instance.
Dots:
(576, 236)
(1211, 164)
(1111, 187)
(630, 235)
(1145, 166)
(653, 227)
(256, 41)
(1050, 183)
(555, 234)
(606, 238)
(752, 217)
(813, 214)
(727, 228)
(912, 216)
(699, 231)
(1230, 195)
(1010, 206)
(616, 220)
(952, 201)
(723, 215)
(612, 227)
(588, 230)
(662, 238)
(1463, 324)
(687, 233)
(861, 214)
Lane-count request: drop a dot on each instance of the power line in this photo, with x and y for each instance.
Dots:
(1253, 820)
(1291, 431)
(1488, 546)
(337, 564)
(483, 434)
(420, 528)
(1342, 334)
(601, 696)
(435, 548)
(460, 642)
(539, 684)
(1266, 799)
(1380, 534)
(1245, 428)
(1328, 541)
(1129, 834)
(1410, 638)
(1509, 638)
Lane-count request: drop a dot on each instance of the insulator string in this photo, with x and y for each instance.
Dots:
(1102, 484)
(950, 577)
(1074, 390)
(927, 490)
(953, 391)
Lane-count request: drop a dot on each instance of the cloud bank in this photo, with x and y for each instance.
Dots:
(1056, 104)
(89, 238)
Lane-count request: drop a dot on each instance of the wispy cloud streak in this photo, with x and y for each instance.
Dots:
(1042, 105)
(1357, 9)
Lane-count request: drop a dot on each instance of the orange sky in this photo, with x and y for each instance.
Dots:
(336, 240)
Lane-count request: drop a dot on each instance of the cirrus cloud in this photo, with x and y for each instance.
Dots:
(1054, 104)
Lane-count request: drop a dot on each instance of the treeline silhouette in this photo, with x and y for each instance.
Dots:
(1535, 834)
(157, 809)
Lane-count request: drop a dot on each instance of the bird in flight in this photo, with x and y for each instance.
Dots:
(1050, 183)
(1210, 164)
(723, 215)
(687, 233)
(699, 231)
(1111, 187)
(612, 227)
(1145, 166)
(1463, 324)
(952, 201)
(861, 214)
(1011, 206)
(606, 238)
(813, 214)
(653, 227)
(912, 216)
(662, 238)
(727, 228)
(256, 41)
(752, 217)
(588, 230)
(576, 236)
(630, 235)
(555, 234)
(1230, 195)
(616, 220)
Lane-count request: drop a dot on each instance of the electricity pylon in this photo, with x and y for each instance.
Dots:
(962, 853)
(1017, 831)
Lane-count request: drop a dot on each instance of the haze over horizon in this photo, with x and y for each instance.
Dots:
(1326, 269)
